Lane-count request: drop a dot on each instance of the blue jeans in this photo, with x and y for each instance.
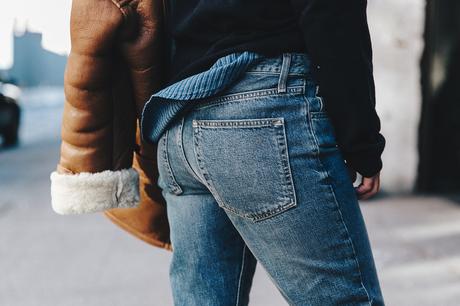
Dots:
(255, 174)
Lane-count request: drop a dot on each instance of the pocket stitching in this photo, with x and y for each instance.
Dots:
(254, 94)
(286, 175)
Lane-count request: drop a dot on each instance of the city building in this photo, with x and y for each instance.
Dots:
(32, 64)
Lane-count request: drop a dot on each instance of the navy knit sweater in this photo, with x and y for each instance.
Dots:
(334, 33)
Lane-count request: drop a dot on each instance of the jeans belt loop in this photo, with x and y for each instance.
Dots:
(282, 83)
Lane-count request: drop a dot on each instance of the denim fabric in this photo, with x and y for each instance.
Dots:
(255, 175)
(164, 106)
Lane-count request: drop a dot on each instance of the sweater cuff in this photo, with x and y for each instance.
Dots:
(364, 164)
(94, 192)
(367, 162)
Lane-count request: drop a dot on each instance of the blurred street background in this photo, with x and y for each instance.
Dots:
(414, 223)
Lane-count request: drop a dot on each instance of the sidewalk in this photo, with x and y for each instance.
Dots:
(47, 259)
(416, 244)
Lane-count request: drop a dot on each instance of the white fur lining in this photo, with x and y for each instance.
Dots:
(94, 192)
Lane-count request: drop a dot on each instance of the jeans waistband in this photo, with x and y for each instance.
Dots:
(290, 63)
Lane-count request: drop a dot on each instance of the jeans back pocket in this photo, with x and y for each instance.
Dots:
(245, 163)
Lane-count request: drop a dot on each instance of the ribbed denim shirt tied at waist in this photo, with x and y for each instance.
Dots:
(163, 106)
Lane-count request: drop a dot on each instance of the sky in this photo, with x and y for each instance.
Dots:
(51, 17)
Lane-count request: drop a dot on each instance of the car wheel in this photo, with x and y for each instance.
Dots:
(11, 135)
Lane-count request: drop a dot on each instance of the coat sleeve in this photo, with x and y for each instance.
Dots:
(336, 36)
(99, 121)
(116, 63)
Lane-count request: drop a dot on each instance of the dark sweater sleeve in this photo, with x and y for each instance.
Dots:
(337, 39)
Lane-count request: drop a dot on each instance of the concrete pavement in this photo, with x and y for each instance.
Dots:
(47, 259)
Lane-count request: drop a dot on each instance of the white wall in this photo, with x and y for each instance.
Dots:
(396, 29)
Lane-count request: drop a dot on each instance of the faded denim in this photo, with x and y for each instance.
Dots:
(255, 174)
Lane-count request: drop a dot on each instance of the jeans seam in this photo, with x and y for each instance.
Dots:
(247, 95)
(312, 131)
(241, 276)
(325, 173)
(179, 140)
(287, 170)
(316, 116)
(255, 217)
(327, 176)
(172, 184)
(321, 108)
(350, 241)
(273, 73)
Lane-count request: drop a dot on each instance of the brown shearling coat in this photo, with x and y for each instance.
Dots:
(115, 64)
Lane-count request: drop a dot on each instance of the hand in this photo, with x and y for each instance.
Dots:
(94, 26)
(368, 187)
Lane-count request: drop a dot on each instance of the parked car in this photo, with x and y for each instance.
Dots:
(10, 114)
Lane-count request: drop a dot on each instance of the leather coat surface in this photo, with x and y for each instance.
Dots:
(115, 64)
